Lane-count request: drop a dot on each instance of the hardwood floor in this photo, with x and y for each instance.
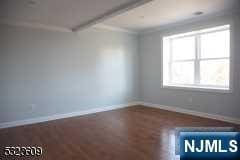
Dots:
(133, 133)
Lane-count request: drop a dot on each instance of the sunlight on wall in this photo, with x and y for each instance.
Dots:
(113, 76)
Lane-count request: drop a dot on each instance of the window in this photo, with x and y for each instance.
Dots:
(199, 59)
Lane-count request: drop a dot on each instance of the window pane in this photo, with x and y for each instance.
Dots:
(183, 72)
(214, 45)
(214, 72)
(183, 48)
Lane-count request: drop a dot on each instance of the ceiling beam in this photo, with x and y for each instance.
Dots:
(109, 14)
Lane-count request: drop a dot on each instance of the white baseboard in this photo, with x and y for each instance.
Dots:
(60, 116)
(191, 112)
(108, 108)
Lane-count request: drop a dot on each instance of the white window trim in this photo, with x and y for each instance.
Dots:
(203, 88)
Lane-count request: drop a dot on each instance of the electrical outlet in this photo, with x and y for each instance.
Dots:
(190, 100)
(33, 106)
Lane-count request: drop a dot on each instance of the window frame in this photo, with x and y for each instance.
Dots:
(197, 86)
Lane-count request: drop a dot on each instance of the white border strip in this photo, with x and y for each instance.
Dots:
(62, 29)
(61, 116)
(113, 28)
(35, 26)
(191, 112)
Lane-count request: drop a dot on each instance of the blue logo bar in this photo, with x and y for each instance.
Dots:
(209, 146)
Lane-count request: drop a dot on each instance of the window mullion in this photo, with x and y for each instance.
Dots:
(197, 59)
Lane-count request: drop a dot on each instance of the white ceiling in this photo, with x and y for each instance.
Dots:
(162, 12)
(62, 13)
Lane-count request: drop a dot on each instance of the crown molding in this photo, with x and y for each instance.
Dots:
(188, 21)
(35, 25)
(61, 29)
(113, 28)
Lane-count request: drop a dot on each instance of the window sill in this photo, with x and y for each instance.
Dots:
(198, 88)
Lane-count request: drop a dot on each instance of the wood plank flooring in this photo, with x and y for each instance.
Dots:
(133, 133)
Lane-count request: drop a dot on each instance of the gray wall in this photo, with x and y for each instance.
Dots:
(48, 72)
(45, 73)
(150, 72)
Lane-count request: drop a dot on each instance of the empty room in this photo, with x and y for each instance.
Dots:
(120, 79)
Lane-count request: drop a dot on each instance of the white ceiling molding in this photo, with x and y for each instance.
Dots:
(112, 28)
(61, 29)
(110, 14)
(35, 25)
(188, 21)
